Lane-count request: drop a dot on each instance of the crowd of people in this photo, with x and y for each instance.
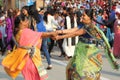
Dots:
(78, 29)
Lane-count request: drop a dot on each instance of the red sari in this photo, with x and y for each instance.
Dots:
(116, 45)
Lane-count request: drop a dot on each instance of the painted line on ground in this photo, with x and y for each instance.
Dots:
(65, 64)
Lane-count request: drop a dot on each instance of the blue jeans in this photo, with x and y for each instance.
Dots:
(45, 50)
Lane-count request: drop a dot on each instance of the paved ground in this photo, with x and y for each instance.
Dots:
(58, 71)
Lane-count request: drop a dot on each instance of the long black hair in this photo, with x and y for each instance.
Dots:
(89, 13)
(10, 14)
(26, 8)
(34, 13)
(51, 12)
(79, 14)
(17, 22)
(45, 18)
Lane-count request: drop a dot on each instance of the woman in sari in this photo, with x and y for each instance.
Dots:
(86, 63)
(116, 45)
(9, 30)
(26, 57)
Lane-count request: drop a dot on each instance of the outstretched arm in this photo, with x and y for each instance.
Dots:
(65, 31)
(72, 34)
(48, 34)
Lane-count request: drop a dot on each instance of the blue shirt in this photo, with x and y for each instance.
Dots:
(40, 25)
(99, 19)
(86, 35)
(112, 15)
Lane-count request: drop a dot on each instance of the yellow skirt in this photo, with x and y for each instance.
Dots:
(15, 61)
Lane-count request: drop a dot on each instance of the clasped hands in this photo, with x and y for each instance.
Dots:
(57, 35)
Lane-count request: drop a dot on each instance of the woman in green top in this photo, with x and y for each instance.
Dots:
(86, 63)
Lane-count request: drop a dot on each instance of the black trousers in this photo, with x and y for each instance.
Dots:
(59, 42)
(51, 45)
(1, 45)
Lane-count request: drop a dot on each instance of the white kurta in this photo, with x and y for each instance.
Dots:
(51, 25)
(69, 48)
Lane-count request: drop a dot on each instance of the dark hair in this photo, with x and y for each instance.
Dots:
(79, 14)
(34, 13)
(17, 22)
(26, 8)
(100, 11)
(51, 12)
(45, 18)
(1, 13)
(10, 14)
(89, 13)
(64, 8)
(42, 8)
(0, 7)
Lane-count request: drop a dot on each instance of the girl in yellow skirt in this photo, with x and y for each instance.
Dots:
(26, 57)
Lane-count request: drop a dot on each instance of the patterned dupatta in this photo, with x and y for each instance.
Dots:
(99, 35)
(86, 62)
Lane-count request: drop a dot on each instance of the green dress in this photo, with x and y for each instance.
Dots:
(86, 63)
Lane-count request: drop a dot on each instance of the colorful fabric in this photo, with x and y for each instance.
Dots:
(9, 32)
(14, 62)
(116, 45)
(109, 35)
(107, 48)
(85, 62)
(29, 69)
(19, 60)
